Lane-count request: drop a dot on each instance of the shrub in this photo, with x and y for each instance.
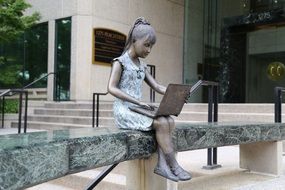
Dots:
(11, 106)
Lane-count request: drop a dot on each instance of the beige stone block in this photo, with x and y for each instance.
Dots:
(51, 46)
(262, 157)
(84, 7)
(81, 58)
(53, 9)
(140, 176)
(115, 10)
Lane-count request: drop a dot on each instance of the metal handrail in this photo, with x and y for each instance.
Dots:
(97, 108)
(152, 92)
(278, 104)
(21, 91)
(213, 95)
(35, 81)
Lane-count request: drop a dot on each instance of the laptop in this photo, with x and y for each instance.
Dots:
(171, 104)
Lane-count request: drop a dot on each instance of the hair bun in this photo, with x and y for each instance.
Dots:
(141, 20)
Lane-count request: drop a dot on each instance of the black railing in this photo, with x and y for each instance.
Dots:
(278, 104)
(213, 99)
(100, 177)
(152, 92)
(12, 92)
(96, 97)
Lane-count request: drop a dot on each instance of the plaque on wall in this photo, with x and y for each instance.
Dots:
(107, 44)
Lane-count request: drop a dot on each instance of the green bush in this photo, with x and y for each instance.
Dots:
(11, 106)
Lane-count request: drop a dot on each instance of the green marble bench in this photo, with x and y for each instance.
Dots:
(33, 158)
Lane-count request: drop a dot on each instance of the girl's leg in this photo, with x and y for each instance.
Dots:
(170, 156)
(161, 130)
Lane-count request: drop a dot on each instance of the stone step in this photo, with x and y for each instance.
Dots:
(108, 112)
(69, 119)
(48, 125)
(228, 116)
(75, 105)
(233, 108)
(199, 107)
(72, 112)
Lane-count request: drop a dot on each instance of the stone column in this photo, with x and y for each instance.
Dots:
(51, 42)
(81, 55)
(262, 157)
(140, 176)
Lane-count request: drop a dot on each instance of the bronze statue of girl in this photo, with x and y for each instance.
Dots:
(125, 83)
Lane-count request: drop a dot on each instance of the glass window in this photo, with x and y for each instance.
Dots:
(243, 47)
(25, 59)
(62, 59)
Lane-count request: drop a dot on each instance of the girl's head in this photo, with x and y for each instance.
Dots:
(141, 30)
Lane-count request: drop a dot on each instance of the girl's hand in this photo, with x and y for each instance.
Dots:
(145, 105)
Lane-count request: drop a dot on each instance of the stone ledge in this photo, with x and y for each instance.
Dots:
(32, 158)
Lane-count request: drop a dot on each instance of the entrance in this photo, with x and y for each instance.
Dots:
(240, 40)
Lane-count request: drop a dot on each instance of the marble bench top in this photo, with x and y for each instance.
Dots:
(32, 158)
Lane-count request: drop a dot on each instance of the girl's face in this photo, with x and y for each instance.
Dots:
(142, 47)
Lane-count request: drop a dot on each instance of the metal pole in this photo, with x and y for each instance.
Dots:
(210, 119)
(215, 97)
(101, 176)
(153, 90)
(3, 110)
(26, 110)
(213, 104)
(210, 104)
(97, 111)
(277, 105)
(93, 110)
(20, 112)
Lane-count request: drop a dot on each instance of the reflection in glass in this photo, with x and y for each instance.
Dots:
(25, 59)
(240, 39)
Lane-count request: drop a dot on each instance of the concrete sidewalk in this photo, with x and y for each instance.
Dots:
(228, 177)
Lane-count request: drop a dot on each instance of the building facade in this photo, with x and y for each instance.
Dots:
(83, 16)
(240, 44)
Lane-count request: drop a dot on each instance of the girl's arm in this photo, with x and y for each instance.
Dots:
(153, 84)
(113, 89)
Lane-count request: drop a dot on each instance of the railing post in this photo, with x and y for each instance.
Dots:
(97, 111)
(278, 105)
(3, 111)
(26, 110)
(97, 108)
(93, 110)
(210, 119)
(152, 92)
(20, 112)
(216, 100)
(212, 109)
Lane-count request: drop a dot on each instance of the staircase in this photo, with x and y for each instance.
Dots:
(65, 115)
